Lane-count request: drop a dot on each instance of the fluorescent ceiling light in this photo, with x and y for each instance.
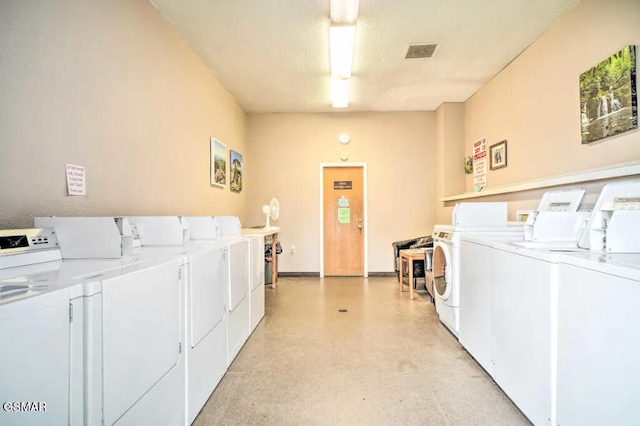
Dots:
(342, 34)
(341, 41)
(340, 92)
(344, 11)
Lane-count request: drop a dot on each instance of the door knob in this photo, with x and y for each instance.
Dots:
(360, 227)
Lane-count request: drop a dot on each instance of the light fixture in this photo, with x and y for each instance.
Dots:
(344, 11)
(341, 42)
(340, 92)
(342, 32)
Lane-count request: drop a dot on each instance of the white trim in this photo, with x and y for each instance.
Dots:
(366, 212)
(621, 170)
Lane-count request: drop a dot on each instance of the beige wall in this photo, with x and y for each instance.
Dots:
(450, 154)
(284, 153)
(107, 84)
(534, 102)
(110, 86)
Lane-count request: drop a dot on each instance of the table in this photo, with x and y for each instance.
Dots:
(273, 231)
(410, 255)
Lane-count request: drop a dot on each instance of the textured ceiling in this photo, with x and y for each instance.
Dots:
(273, 55)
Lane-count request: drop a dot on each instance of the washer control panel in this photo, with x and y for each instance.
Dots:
(443, 235)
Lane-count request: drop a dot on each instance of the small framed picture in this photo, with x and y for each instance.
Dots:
(498, 155)
(235, 170)
(218, 163)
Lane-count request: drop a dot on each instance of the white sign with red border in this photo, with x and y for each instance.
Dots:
(480, 163)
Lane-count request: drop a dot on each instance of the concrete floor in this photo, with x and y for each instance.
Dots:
(386, 361)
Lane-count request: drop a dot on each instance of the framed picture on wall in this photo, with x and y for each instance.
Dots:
(608, 97)
(218, 163)
(498, 155)
(235, 171)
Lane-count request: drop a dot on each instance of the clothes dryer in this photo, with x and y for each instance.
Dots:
(256, 280)
(205, 308)
(230, 228)
(41, 332)
(133, 324)
(255, 237)
(238, 303)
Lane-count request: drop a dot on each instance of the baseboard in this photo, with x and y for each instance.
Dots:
(317, 274)
(383, 274)
(298, 274)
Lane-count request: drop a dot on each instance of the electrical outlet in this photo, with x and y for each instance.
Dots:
(293, 249)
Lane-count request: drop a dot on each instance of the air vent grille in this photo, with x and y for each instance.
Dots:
(424, 50)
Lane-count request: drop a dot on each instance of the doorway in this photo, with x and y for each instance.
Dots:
(343, 219)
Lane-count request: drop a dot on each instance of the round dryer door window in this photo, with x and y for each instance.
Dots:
(440, 260)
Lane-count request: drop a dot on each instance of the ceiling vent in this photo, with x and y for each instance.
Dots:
(417, 51)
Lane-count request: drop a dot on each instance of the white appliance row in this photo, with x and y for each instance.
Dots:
(552, 322)
(141, 337)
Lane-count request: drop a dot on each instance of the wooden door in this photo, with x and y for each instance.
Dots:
(343, 210)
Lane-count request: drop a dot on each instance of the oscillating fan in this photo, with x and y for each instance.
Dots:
(271, 211)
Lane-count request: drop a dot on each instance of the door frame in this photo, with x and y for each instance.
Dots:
(365, 213)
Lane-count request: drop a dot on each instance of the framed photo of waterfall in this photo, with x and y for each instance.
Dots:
(608, 97)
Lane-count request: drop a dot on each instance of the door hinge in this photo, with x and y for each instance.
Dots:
(70, 312)
(180, 273)
(180, 347)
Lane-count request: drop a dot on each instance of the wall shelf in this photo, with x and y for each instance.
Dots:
(621, 170)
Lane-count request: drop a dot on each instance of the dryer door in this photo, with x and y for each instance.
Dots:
(206, 295)
(141, 335)
(257, 262)
(238, 273)
(442, 269)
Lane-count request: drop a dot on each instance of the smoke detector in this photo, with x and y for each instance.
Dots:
(422, 50)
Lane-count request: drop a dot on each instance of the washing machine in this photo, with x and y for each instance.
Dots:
(468, 219)
(525, 283)
(477, 258)
(554, 224)
(133, 364)
(561, 343)
(598, 340)
(445, 259)
(599, 289)
(524, 308)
